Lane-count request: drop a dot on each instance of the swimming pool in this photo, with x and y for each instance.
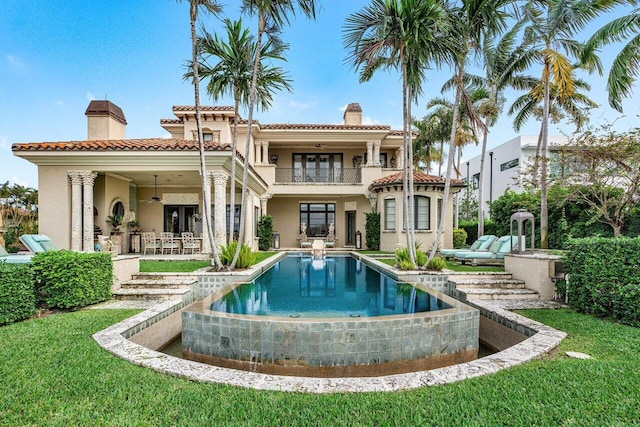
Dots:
(324, 343)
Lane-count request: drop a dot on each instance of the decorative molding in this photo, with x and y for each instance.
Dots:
(180, 198)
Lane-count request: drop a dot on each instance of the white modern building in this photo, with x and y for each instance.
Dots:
(503, 169)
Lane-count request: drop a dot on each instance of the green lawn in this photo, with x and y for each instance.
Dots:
(53, 373)
(186, 266)
(454, 266)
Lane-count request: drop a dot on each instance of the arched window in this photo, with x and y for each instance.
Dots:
(118, 209)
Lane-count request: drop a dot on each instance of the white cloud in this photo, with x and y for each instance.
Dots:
(301, 105)
(369, 121)
(343, 108)
(90, 96)
(15, 180)
(16, 63)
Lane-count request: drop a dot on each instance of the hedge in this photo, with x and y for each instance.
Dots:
(66, 279)
(604, 277)
(459, 238)
(17, 297)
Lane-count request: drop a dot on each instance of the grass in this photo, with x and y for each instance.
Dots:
(53, 373)
(186, 266)
(454, 266)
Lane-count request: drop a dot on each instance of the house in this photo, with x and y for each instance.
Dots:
(504, 167)
(316, 174)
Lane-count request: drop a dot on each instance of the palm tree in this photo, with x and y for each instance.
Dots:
(472, 22)
(272, 16)
(552, 25)
(231, 75)
(624, 69)
(398, 34)
(424, 150)
(209, 6)
(503, 63)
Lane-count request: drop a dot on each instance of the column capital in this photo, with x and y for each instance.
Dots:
(88, 177)
(76, 177)
(219, 177)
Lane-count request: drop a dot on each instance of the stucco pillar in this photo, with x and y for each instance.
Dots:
(206, 194)
(76, 210)
(257, 145)
(369, 153)
(220, 205)
(88, 178)
(400, 157)
(265, 152)
(376, 153)
(263, 204)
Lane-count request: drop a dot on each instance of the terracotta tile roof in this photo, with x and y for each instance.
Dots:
(171, 121)
(419, 178)
(320, 126)
(149, 144)
(202, 108)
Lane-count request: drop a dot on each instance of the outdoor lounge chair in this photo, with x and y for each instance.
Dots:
(481, 244)
(14, 258)
(495, 254)
(38, 243)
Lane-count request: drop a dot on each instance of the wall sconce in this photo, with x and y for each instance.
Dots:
(274, 159)
(357, 160)
(393, 161)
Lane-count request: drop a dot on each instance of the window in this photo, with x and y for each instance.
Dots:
(439, 208)
(390, 214)
(236, 219)
(475, 181)
(509, 165)
(318, 167)
(180, 218)
(422, 213)
(207, 137)
(317, 217)
(256, 218)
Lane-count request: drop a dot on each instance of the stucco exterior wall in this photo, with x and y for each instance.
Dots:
(54, 204)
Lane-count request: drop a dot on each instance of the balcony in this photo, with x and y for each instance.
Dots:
(318, 175)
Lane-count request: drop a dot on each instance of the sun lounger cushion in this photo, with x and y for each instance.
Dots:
(481, 244)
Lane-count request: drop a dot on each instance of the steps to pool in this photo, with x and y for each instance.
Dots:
(155, 286)
(500, 286)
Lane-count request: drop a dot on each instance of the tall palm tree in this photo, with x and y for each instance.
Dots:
(208, 6)
(272, 16)
(552, 27)
(504, 62)
(231, 75)
(425, 151)
(624, 69)
(397, 34)
(472, 22)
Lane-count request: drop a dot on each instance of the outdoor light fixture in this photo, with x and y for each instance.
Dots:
(393, 161)
(274, 159)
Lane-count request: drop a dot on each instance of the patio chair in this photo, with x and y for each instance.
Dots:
(168, 243)
(14, 258)
(302, 237)
(330, 240)
(149, 242)
(190, 243)
(495, 254)
(481, 244)
(38, 243)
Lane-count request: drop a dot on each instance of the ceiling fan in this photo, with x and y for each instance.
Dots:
(155, 197)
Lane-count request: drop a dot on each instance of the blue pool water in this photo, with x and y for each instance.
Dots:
(339, 286)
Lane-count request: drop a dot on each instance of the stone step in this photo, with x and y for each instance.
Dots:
(149, 294)
(500, 294)
(162, 276)
(164, 283)
(488, 283)
(455, 276)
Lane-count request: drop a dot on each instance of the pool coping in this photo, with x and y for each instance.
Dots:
(113, 339)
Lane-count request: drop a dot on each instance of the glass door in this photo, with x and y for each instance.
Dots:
(350, 228)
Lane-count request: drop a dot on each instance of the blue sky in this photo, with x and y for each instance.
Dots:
(55, 56)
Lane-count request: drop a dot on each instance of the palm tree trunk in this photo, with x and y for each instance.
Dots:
(406, 178)
(245, 171)
(411, 201)
(232, 190)
(544, 157)
(452, 152)
(483, 156)
(206, 202)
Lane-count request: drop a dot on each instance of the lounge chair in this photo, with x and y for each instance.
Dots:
(38, 243)
(495, 254)
(481, 244)
(14, 258)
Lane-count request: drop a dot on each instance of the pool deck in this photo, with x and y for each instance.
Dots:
(542, 342)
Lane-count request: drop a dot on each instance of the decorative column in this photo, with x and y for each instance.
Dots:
(400, 157)
(220, 205)
(257, 145)
(76, 210)
(88, 178)
(263, 203)
(369, 153)
(206, 242)
(376, 153)
(265, 152)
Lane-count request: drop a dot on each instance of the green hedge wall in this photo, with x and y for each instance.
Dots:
(372, 231)
(17, 297)
(459, 238)
(604, 277)
(66, 279)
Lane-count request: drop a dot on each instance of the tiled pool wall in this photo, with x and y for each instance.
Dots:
(265, 343)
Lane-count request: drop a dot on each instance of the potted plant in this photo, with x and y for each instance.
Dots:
(115, 221)
(134, 226)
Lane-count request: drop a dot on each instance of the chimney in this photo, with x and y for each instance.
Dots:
(105, 120)
(353, 114)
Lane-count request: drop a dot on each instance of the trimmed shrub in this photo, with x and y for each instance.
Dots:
(66, 279)
(459, 238)
(17, 297)
(469, 227)
(437, 263)
(246, 258)
(604, 277)
(372, 231)
(265, 232)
